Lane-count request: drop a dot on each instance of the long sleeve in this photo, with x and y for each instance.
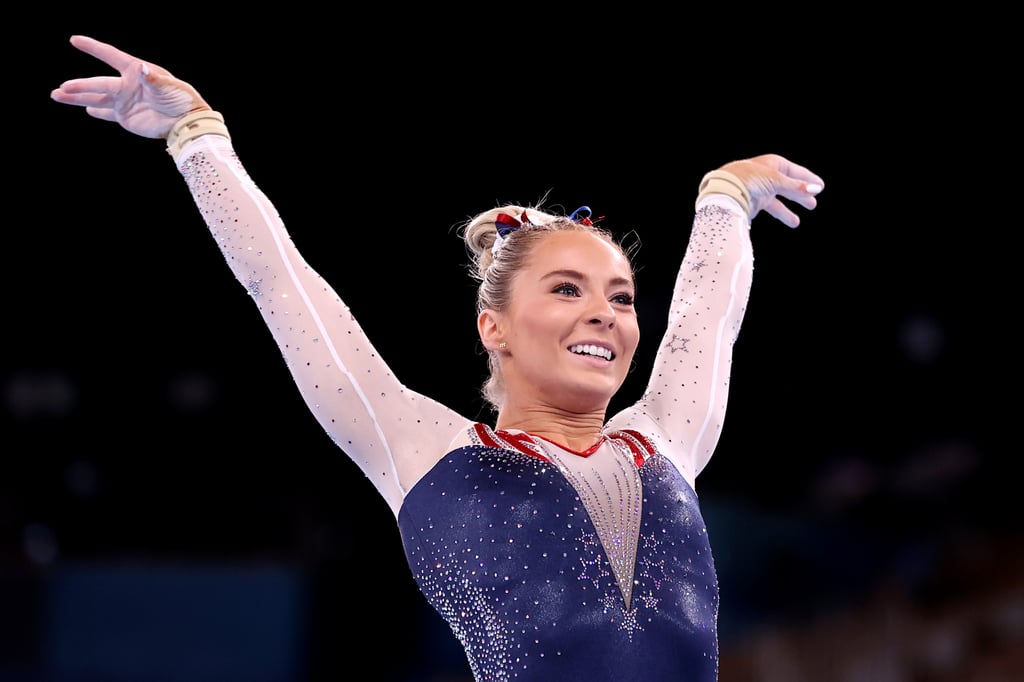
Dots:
(684, 404)
(394, 434)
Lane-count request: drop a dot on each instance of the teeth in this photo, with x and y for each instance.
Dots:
(590, 349)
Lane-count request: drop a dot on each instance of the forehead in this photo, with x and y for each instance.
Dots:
(582, 251)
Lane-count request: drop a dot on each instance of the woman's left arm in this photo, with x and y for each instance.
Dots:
(683, 406)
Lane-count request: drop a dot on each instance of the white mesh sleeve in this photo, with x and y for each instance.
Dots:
(683, 406)
(394, 434)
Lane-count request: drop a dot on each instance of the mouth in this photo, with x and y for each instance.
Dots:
(592, 350)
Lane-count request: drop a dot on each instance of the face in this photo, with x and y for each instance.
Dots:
(571, 329)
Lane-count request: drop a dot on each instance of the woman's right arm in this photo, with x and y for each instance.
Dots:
(394, 434)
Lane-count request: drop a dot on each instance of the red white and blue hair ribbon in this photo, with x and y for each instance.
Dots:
(507, 224)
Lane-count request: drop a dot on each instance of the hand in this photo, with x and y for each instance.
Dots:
(770, 178)
(145, 98)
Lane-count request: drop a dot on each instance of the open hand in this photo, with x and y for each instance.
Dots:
(144, 98)
(769, 178)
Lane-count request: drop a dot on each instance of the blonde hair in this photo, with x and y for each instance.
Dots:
(495, 270)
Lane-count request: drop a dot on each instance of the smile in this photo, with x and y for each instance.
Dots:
(590, 349)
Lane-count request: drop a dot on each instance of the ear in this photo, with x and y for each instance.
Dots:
(488, 325)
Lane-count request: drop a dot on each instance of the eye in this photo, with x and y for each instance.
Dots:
(624, 299)
(566, 288)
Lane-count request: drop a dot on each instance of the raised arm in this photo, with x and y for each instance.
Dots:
(394, 434)
(683, 406)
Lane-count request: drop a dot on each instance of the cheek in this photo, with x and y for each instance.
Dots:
(541, 319)
(631, 335)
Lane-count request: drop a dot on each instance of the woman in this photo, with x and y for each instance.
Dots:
(558, 543)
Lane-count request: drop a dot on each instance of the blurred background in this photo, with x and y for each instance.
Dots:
(169, 510)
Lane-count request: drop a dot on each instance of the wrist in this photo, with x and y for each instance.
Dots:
(724, 182)
(192, 125)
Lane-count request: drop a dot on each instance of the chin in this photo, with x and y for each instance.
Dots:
(588, 397)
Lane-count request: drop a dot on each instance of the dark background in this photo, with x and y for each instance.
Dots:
(170, 511)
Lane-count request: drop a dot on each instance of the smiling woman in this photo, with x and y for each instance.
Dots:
(558, 542)
(555, 309)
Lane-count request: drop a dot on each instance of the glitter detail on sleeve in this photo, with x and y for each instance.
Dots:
(394, 434)
(683, 405)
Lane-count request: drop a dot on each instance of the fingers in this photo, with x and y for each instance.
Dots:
(797, 191)
(85, 99)
(102, 113)
(781, 212)
(808, 201)
(105, 52)
(790, 169)
(801, 192)
(778, 210)
(107, 85)
(794, 181)
(100, 92)
(772, 180)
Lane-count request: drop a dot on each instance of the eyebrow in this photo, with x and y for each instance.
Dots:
(576, 274)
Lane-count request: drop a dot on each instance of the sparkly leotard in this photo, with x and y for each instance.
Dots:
(547, 564)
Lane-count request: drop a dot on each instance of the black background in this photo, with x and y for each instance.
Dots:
(148, 418)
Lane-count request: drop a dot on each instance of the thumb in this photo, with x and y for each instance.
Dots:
(169, 95)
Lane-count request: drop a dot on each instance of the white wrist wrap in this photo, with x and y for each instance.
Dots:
(193, 125)
(724, 182)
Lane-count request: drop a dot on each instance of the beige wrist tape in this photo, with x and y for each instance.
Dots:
(724, 182)
(193, 125)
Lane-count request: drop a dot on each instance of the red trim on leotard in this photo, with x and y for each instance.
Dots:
(522, 442)
(638, 443)
(581, 453)
(641, 447)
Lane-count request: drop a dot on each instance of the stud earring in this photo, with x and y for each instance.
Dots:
(502, 346)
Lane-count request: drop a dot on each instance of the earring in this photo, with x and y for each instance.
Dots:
(502, 346)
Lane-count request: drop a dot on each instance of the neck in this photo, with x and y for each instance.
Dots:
(573, 431)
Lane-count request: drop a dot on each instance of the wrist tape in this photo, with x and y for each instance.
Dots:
(191, 126)
(724, 182)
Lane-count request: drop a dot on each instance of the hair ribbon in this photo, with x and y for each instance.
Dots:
(582, 215)
(507, 224)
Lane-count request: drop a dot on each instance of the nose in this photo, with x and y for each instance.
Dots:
(601, 313)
